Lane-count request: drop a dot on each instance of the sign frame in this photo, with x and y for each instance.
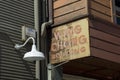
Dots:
(70, 41)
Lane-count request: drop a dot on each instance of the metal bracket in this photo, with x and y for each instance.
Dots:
(50, 66)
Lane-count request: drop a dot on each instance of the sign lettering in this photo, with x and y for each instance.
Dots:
(70, 41)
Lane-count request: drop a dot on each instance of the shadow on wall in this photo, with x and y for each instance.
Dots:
(11, 60)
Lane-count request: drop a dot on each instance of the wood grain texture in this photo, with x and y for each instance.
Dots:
(105, 36)
(60, 3)
(100, 8)
(103, 45)
(104, 2)
(68, 17)
(105, 55)
(105, 26)
(105, 40)
(67, 10)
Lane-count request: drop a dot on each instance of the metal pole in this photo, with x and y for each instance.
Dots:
(36, 24)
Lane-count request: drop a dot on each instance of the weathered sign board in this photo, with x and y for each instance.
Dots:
(70, 41)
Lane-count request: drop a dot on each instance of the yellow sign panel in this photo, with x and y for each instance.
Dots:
(70, 41)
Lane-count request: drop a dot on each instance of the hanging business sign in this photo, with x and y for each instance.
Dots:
(70, 41)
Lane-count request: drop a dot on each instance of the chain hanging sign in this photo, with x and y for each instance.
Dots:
(70, 41)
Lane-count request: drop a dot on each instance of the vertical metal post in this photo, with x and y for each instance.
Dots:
(36, 24)
(49, 72)
(49, 75)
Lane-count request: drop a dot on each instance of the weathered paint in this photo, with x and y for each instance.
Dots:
(70, 41)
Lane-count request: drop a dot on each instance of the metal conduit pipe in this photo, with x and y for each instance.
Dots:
(50, 22)
(44, 25)
(36, 24)
(43, 29)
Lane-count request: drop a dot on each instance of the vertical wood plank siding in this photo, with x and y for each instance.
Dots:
(13, 15)
(68, 10)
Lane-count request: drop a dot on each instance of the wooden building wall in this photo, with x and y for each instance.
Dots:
(68, 10)
(101, 8)
(105, 40)
(104, 62)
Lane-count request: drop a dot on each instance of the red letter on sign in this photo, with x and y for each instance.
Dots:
(77, 29)
(82, 39)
